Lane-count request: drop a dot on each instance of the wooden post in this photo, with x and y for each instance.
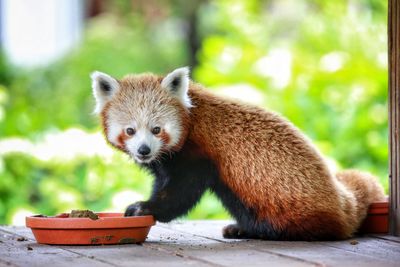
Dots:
(394, 115)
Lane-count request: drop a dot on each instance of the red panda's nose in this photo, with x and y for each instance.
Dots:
(144, 150)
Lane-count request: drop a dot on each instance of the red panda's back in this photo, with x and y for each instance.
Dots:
(262, 157)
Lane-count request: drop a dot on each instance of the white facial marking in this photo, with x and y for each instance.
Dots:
(143, 107)
(114, 130)
(143, 123)
(143, 137)
(174, 131)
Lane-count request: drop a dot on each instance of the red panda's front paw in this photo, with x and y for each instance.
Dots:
(138, 209)
(233, 231)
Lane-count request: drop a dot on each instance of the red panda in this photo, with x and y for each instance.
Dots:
(266, 173)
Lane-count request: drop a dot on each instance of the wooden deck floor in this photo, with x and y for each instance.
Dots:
(199, 243)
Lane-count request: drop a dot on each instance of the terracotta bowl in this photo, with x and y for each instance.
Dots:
(377, 221)
(110, 228)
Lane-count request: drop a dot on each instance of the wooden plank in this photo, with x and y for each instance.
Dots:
(118, 255)
(376, 248)
(28, 253)
(318, 252)
(220, 253)
(392, 238)
(199, 243)
(197, 251)
(6, 264)
(394, 115)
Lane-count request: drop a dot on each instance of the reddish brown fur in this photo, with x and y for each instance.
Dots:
(165, 137)
(104, 119)
(266, 162)
(274, 169)
(122, 137)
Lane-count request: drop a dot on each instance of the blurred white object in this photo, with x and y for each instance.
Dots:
(18, 217)
(39, 32)
(61, 146)
(123, 199)
(277, 65)
(243, 92)
(332, 61)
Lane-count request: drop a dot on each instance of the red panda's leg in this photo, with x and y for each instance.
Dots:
(171, 200)
(179, 184)
(260, 231)
(234, 231)
(247, 223)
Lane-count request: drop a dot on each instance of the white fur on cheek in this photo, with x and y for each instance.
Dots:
(173, 128)
(114, 130)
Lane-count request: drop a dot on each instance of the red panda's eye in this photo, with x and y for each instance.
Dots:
(156, 130)
(130, 131)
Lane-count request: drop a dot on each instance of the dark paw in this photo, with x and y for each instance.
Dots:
(138, 209)
(233, 231)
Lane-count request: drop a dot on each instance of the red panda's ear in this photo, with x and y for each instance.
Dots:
(177, 83)
(104, 87)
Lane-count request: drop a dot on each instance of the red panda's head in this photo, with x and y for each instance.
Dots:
(144, 115)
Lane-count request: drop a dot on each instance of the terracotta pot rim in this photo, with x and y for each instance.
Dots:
(377, 208)
(380, 204)
(107, 220)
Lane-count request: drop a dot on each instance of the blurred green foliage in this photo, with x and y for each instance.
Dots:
(322, 64)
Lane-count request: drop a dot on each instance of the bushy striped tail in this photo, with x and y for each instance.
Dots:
(366, 189)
